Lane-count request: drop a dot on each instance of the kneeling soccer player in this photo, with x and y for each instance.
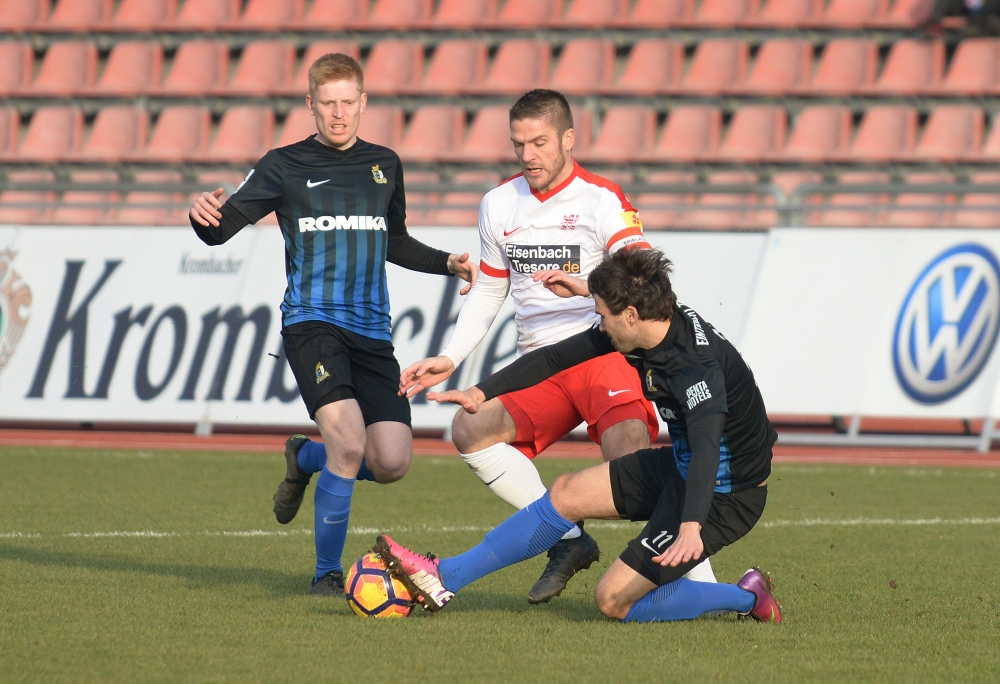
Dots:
(705, 493)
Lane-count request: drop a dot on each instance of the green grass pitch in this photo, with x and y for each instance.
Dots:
(126, 566)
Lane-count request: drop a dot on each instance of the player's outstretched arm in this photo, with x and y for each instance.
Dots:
(424, 374)
(460, 265)
(214, 222)
(562, 284)
(470, 399)
(206, 209)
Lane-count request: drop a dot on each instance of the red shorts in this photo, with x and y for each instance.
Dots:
(601, 392)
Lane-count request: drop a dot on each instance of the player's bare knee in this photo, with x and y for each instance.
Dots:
(624, 438)
(469, 433)
(560, 494)
(609, 602)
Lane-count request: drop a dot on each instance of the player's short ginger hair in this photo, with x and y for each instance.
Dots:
(636, 277)
(542, 103)
(335, 66)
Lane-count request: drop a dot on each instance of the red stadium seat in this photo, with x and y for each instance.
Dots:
(788, 13)
(783, 65)
(790, 181)
(421, 205)
(435, 132)
(300, 85)
(206, 15)
(17, 66)
(976, 210)
(393, 65)
(664, 210)
(10, 132)
(266, 66)
(658, 14)
(975, 68)
(154, 207)
(726, 210)
(583, 126)
(462, 208)
(88, 207)
(488, 140)
(79, 15)
(270, 14)
(853, 13)
(725, 13)
(53, 134)
(922, 209)
(519, 66)
(849, 210)
(912, 67)
(335, 14)
(244, 135)
(143, 15)
(382, 125)
(299, 125)
(465, 14)
(27, 206)
(887, 132)
(456, 65)
(719, 65)
(692, 133)
(846, 66)
(199, 67)
(952, 133)
(399, 14)
(907, 14)
(991, 148)
(821, 132)
(585, 65)
(18, 15)
(756, 133)
(133, 68)
(118, 133)
(594, 14)
(67, 68)
(528, 13)
(182, 132)
(627, 132)
(653, 66)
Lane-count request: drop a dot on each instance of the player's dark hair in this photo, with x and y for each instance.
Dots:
(335, 66)
(639, 278)
(544, 104)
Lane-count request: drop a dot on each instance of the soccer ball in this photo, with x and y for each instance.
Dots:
(373, 592)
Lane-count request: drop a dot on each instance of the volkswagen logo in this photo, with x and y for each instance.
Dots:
(948, 324)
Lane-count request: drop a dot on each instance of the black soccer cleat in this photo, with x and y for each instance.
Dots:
(566, 558)
(330, 584)
(288, 498)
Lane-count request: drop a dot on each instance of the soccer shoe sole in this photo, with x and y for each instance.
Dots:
(292, 489)
(547, 588)
(395, 568)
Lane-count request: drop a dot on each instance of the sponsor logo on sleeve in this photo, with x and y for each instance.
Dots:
(631, 219)
(697, 393)
(244, 181)
(532, 258)
(700, 338)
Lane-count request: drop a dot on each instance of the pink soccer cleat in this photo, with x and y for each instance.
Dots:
(767, 608)
(418, 573)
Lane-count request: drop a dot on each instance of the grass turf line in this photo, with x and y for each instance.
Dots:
(199, 605)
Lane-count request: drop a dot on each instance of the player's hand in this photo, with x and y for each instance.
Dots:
(464, 269)
(424, 374)
(562, 284)
(470, 399)
(688, 546)
(206, 208)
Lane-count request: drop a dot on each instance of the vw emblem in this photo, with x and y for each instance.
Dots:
(948, 324)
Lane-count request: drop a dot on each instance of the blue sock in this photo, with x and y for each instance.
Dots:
(685, 599)
(333, 509)
(312, 458)
(365, 473)
(533, 529)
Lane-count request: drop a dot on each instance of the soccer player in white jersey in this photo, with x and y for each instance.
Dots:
(541, 233)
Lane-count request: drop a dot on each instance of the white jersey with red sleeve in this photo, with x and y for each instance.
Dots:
(573, 227)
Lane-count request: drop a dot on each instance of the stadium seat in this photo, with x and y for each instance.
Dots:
(67, 68)
(848, 210)
(821, 132)
(907, 14)
(10, 132)
(627, 132)
(199, 67)
(154, 207)
(922, 209)
(790, 181)
(847, 14)
(334, 14)
(382, 125)
(519, 66)
(53, 133)
(527, 13)
(421, 204)
(583, 126)
(464, 14)
(488, 139)
(783, 65)
(653, 66)
(756, 133)
(787, 13)
(592, 14)
(664, 210)
(266, 66)
(133, 68)
(244, 136)
(435, 132)
(719, 65)
(299, 125)
(729, 210)
(660, 14)
(18, 15)
(300, 83)
(17, 66)
(393, 65)
(78, 15)
(586, 65)
(724, 13)
(27, 206)
(847, 65)
(975, 68)
(952, 133)
(207, 15)
(692, 133)
(271, 15)
(143, 15)
(455, 65)
(182, 132)
(887, 132)
(912, 67)
(976, 210)
(399, 14)
(118, 133)
(462, 208)
(88, 207)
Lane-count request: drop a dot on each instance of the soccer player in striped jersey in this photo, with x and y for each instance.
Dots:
(341, 208)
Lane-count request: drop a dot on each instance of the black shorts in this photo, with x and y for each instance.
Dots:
(646, 485)
(331, 364)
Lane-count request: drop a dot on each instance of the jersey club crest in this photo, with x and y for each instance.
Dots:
(378, 175)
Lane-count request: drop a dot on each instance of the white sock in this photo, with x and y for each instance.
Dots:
(511, 475)
(702, 572)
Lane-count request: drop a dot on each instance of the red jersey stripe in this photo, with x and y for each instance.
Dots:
(494, 272)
